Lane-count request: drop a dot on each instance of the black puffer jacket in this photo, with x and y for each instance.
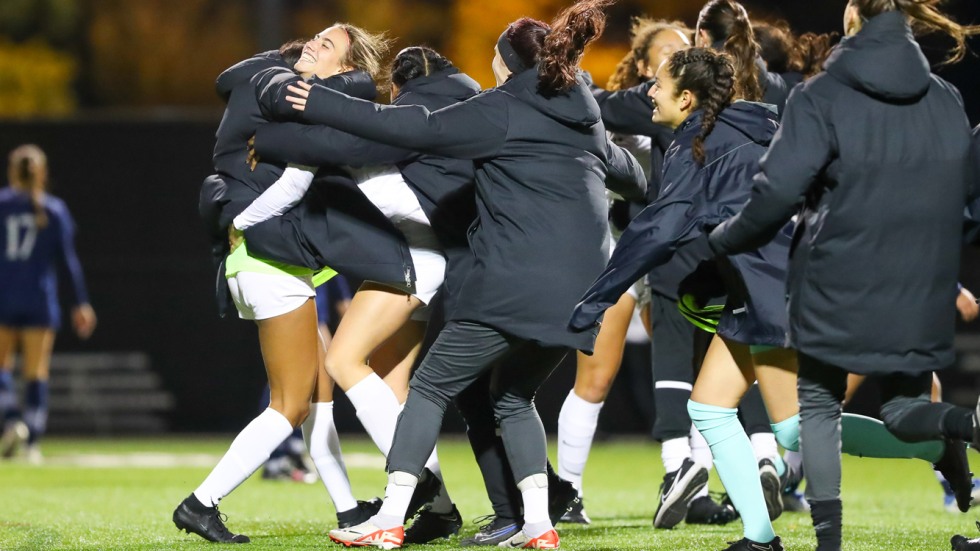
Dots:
(542, 166)
(877, 152)
(670, 229)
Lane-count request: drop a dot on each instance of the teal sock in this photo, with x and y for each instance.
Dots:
(866, 437)
(787, 433)
(736, 466)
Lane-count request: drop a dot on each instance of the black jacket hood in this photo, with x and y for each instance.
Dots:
(575, 108)
(243, 71)
(743, 117)
(883, 60)
(448, 83)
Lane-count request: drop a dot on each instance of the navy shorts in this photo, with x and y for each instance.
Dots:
(23, 317)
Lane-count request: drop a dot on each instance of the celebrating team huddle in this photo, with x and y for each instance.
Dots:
(777, 184)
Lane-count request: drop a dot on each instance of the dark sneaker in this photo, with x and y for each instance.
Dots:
(359, 514)
(772, 488)
(793, 499)
(704, 510)
(576, 513)
(496, 531)
(429, 526)
(561, 496)
(745, 544)
(676, 492)
(960, 543)
(426, 490)
(192, 516)
(955, 468)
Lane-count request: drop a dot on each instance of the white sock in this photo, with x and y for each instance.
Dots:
(324, 445)
(576, 429)
(250, 449)
(442, 504)
(794, 460)
(398, 494)
(701, 454)
(764, 446)
(673, 452)
(377, 409)
(534, 493)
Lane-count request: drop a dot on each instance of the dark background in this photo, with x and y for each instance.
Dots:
(131, 182)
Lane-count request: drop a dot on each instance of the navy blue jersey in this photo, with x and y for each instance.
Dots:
(29, 259)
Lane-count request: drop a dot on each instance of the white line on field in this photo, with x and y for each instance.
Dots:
(155, 460)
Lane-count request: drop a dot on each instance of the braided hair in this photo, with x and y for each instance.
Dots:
(710, 76)
(416, 61)
(726, 21)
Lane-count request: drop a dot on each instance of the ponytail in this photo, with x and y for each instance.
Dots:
(926, 18)
(710, 76)
(575, 28)
(27, 170)
(727, 22)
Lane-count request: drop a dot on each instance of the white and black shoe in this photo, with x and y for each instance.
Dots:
(676, 492)
(495, 531)
(772, 488)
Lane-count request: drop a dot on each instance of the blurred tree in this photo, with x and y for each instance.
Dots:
(161, 52)
(37, 67)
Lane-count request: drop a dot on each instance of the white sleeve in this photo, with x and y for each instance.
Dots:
(281, 196)
(639, 146)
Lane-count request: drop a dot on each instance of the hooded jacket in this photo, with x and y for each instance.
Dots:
(444, 186)
(542, 165)
(362, 242)
(669, 231)
(876, 150)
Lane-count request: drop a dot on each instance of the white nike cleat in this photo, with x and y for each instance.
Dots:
(366, 534)
(520, 540)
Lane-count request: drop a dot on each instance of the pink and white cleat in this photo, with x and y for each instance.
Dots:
(366, 534)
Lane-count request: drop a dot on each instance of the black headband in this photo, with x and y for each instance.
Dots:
(507, 53)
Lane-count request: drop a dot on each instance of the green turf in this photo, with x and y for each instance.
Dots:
(889, 504)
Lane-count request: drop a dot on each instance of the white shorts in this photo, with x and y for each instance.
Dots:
(263, 296)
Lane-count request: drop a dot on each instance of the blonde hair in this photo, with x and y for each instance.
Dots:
(643, 30)
(27, 169)
(367, 50)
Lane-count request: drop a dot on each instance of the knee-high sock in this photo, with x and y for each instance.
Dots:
(442, 503)
(736, 466)
(577, 423)
(36, 409)
(8, 397)
(324, 445)
(248, 451)
(377, 408)
(764, 447)
(864, 437)
(701, 454)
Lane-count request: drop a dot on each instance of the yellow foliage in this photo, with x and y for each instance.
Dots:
(35, 80)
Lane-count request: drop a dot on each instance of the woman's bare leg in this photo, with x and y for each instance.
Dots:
(393, 360)
(594, 376)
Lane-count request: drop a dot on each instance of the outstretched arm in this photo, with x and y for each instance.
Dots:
(624, 175)
(803, 146)
(281, 196)
(472, 129)
(318, 145)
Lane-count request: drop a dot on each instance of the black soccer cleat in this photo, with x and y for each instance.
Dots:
(704, 510)
(960, 543)
(359, 514)
(676, 492)
(429, 526)
(561, 496)
(745, 544)
(426, 490)
(576, 513)
(192, 516)
(772, 488)
(955, 468)
(492, 533)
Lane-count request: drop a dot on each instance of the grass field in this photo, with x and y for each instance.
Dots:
(119, 494)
